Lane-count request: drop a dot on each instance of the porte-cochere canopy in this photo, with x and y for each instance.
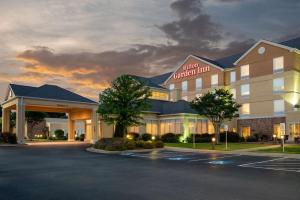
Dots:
(48, 98)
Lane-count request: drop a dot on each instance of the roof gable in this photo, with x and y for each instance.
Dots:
(147, 82)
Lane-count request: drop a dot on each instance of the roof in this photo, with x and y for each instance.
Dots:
(148, 82)
(48, 92)
(293, 43)
(169, 107)
(160, 79)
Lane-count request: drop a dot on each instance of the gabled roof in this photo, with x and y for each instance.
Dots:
(148, 82)
(160, 79)
(51, 92)
(169, 107)
(291, 45)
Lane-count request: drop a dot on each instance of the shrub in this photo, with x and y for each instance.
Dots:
(170, 138)
(81, 137)
(101, 144)
(200, 138)
(148, 145)
(130, 144)
(231, 137)
(59, 134)
(134, 136)
(251, 138)
(111, 144)
(146, 137)
(8, 137)
(159, 144)
(140, 143)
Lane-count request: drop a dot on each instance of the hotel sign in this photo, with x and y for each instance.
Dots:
(191, 70)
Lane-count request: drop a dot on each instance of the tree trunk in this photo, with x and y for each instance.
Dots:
(217, 132)
(120, 130)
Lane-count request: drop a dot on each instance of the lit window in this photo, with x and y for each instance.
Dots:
(214, 80)
(232, 77)
(184, 98)
(245, 90)
(278, 106)
(245, 109)
(246, 131)
(198, 83)
(244, 71)
(278, 64)
(233, 92)
(278, 84)
(184, 86)
(171, 86)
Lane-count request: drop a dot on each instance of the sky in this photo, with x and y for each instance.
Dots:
(82, 45)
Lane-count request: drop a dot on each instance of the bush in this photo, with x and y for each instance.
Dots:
(148, 145)
(170, 138)
(231, 137)
(140, 143)
(200, 138)
(159, 144)
(81, 137)
(130, 144)
(251, 138)
(146, 137)
(7, 137)
(111, 144)
(59, 134)
(134, 136)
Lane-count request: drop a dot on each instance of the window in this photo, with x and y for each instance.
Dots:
(232, 77)
(184, 86)
(171, 86)
(278, 84)
(244, 72)
(184, 98)
(245, 90)
(276, 130)
(198, 83)
(295, 130)
(278, 106)
(214, 80)
(245, 131)
(245, 109)
(233, 92)
(278, 64)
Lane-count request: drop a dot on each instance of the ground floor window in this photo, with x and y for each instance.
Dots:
(151, 127)
(134, 129)
(277, 131)
(245, 131)
(211, 128)
(171, 126)
(295, 129)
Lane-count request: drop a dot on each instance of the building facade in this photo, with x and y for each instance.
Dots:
(264, 80)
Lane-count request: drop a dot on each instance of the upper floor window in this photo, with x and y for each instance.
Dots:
(214, 80)
(232, 77)
(198, 83)
(184, 86)
(245, 90)
(278, 84)
(278, 106)
(278, 64)
(244, 72)
(171, 86)
(245, 109)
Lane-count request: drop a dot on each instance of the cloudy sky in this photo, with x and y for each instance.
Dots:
(83, 44)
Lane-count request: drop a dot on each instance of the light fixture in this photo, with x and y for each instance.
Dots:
(153, 137)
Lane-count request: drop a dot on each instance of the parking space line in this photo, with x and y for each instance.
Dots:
(216, 158)
(253, 163)
(270, 168)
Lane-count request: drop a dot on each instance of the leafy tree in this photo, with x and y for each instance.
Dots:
(123, 103)
(218, 106)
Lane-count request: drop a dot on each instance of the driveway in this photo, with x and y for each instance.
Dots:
(69, 172)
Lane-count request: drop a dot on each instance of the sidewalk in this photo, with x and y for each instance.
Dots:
(247, 152)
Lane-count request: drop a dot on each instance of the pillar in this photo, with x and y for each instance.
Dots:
(95, 126)
(20, 121)
(71, 129)
(5, 120)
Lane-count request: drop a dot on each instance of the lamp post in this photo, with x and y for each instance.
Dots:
(275, 138)
(282, 142)
(226, 131)
(213, 141)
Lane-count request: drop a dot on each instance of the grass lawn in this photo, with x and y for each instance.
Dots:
(287, 149)
(221, 147)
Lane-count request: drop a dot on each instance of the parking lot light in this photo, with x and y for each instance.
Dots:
(128, 136)
(213, 141)
(275, 138)
(282, 142)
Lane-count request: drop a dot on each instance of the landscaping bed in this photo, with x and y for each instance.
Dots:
(8, 138)
(121, 144)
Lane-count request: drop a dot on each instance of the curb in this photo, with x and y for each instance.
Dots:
(93, 150)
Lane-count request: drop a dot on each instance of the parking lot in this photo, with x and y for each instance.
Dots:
(217, 159)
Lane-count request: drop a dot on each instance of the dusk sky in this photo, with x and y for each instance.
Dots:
(82, 45)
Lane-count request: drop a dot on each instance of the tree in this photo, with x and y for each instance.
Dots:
(218, 106)
(123, 103)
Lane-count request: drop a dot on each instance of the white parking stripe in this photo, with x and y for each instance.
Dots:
(253, 163)
(269, 168)
(212, 158)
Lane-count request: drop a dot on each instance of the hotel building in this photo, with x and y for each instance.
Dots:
(265, 80)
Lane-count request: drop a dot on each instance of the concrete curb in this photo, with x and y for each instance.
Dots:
(246, 153)
(93, 150)
(12, 145)
(54, 143)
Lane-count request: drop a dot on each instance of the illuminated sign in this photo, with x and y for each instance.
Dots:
(191, 70)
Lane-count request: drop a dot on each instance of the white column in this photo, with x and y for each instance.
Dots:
(5, 120)
(20, 121)
(95, 126)
(71, 130)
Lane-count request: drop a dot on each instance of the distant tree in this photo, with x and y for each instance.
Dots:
(123, 103)
(218, 106)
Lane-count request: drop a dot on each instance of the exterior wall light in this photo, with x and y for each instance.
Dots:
(153, 137)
